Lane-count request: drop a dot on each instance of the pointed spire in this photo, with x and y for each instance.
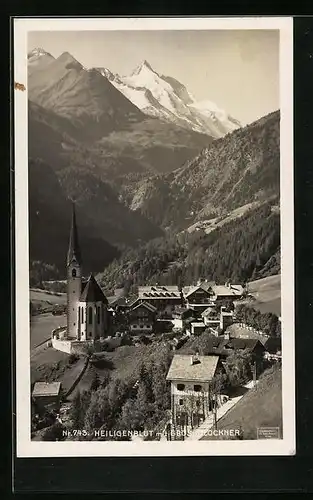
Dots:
(73, 249)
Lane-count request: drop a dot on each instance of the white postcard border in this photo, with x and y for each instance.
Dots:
(27, 448)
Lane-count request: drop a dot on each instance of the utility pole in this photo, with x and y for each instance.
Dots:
(215, 415)
(253, 368)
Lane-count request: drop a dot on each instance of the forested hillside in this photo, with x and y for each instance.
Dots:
(241, 250)
(240, 168)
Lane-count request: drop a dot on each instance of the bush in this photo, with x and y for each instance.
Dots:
(73, 358)
(54, 433)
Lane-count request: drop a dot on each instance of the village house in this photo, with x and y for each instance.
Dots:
(211, 317)
(180, 316)
(228, 292)
(226, 319)
(252, 345)
(191, 378)
(142, 318)
(47, 395)
(198, 297)
(195, 328)
(273, 345)
(164, 298)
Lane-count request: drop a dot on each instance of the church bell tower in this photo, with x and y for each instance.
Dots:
(74, 280)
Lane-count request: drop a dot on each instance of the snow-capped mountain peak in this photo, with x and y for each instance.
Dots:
(144, 65)
(107, 74)
(38, 52)
(167, 98)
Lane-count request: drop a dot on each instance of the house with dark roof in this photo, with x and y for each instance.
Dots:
(273, 345)
(47, 395)
(142, 318)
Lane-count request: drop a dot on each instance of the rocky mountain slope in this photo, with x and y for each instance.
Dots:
(136, 174)
(221, 212)
(167, 98)
(88, 100)
(241, 250)
(92, 137)
(239, 169)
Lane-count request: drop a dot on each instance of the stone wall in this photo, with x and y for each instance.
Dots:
(62, 345)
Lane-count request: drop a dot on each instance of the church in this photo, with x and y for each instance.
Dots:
(87, 306)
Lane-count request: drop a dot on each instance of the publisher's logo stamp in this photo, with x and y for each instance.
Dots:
(268, 433)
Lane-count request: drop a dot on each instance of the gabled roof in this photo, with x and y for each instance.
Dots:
(46, 389)
(273, 345)
(239, 343)
(208, 311)
(230, 290)
(92, 292)
(117, 301)
(202, 371)
(148, 306)
(158, 292)
(189, 290)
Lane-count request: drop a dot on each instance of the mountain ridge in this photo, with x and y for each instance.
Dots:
(167, 98)
(137, 177)
(241, 168)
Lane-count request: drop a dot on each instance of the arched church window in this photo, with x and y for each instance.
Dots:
(98, 314)
(74, 273)
(90, 315)
(82, 314)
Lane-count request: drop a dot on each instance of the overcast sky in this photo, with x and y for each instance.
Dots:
(236, 69)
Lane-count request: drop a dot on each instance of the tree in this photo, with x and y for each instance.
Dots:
(79, 407)
(218, 383)
(76, 411)
(99, 412)
(145, 384)
(95, 382)
(238, 367)
(133, 416)
(54, 433)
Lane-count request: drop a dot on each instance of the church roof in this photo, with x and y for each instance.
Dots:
(92, 292)
(74, 248)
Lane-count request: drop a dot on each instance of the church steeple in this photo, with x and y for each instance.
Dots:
(74, 249)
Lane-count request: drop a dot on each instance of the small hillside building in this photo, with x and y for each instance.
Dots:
(180, 316)
(191, 392)
(47, 395)
(195, 328)
(226, 319)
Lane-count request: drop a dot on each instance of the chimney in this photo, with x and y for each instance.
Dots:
(194, 358)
